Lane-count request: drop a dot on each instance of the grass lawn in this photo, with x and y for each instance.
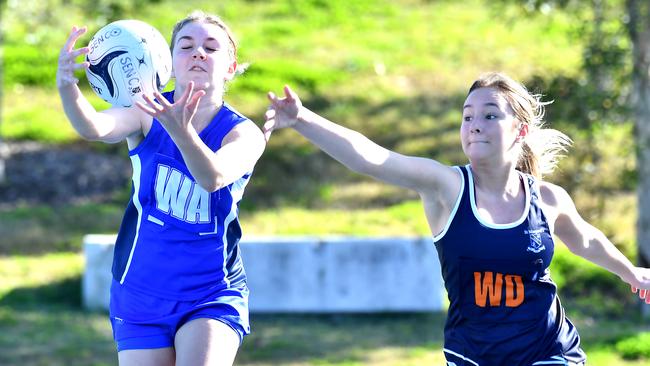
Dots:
(395, 70)
(41, 323)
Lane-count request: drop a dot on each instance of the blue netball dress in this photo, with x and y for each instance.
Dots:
(178, 241)
(504, 308)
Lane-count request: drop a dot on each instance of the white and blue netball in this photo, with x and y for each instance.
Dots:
(128, 58)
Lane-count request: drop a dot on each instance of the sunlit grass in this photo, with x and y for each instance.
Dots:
(605, 357)
(43, 229)
(365, 63)
(45, 328)
(405, 219)
(21, 271)
(333, 49)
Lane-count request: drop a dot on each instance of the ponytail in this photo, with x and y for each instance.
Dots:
(542, 147)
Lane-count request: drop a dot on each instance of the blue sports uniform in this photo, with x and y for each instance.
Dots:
(177, 256)
(504, 309)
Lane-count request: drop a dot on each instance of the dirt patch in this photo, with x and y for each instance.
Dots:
(37, 173)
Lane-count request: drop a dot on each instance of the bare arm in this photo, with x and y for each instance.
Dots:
(356, 151)
(590, 243)
(112, 125)
(240, 149)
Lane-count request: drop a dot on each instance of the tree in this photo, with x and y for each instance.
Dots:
(639, 30)
(604, 64)
(2, 147)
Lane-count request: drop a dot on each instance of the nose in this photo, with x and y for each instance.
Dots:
(199, 54)
(475, 126)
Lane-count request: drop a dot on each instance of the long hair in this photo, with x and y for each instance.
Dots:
(541, 147)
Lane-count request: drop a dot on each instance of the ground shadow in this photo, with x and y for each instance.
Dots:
(63, 293)
(45, 325)
(295, 338)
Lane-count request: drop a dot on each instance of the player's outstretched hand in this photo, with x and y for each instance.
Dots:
(67, 64)
(175, 117)
(283, 112)
(641, 283)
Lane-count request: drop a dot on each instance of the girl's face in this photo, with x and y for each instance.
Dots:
(490, 131)
(202, 53)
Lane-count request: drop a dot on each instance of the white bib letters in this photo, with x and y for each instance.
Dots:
(187, 200)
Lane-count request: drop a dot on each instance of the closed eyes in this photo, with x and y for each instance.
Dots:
(488, 117)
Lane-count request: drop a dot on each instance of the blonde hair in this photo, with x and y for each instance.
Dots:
(541, 147)
(198, 16)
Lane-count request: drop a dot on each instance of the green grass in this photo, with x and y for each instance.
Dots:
(41, 323)
(38, 229)
(403, 219)
(398, 71)
(46, 229)
(329, 51)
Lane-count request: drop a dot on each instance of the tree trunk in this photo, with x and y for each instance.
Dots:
(639, 28)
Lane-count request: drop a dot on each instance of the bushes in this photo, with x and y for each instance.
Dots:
(30, 65)
(635, 347)
(589, 289)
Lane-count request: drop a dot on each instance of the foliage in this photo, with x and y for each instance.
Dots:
(601, 163)
(606, 61)
(30, 116)
(590, 104)
(397, 73)
(590, 289)
(635, 347)
(30, 65)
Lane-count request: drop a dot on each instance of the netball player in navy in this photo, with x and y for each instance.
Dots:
(179, 294)
(493, 222)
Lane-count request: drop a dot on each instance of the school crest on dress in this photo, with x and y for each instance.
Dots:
(535, 244)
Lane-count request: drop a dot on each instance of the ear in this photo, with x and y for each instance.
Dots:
(232, 70)
(523, 131)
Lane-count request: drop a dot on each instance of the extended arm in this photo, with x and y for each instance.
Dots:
(112, 125)
(590, 243)
(356, 151)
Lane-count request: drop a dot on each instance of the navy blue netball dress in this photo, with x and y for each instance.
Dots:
(504, 308)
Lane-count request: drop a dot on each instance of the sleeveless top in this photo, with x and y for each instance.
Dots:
(177, 240)
(503, 305)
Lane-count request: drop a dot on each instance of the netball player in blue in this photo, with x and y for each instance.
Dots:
(493, 222)
(179, 294)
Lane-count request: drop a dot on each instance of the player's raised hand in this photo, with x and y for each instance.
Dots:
(283, 112)
(176, 116)
(67, 64)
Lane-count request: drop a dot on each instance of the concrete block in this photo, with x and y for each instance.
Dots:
(313, 274)
(343, 274)
(96, 279)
